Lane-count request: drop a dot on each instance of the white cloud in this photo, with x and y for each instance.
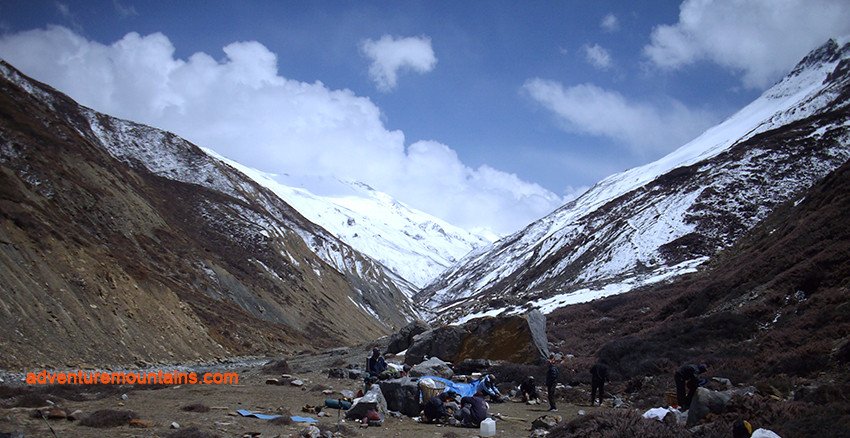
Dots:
(763, 39)
(610, 23)
(242, 108)
(597, 56)
(589, 109)
(390, 55)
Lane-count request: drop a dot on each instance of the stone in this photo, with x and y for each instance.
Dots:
(355, 374)
(56, 414)
(518, 339)
(310, 432)
(402, 395)
(272, 382)
(337, 373)
(432, 367)
(469, 366)
(373, 399)
(297, 382)
(175, 425)
(76, 415)
(401, 341)
(706, 401)
(140, 424)
(546, 422)
(124, 397)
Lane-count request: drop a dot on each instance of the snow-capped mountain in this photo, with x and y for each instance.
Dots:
(667, 217)
(414, 245)
(137, 246)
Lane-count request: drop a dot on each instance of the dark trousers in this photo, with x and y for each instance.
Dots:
(685, 390)
(594, 385)
(550, 390)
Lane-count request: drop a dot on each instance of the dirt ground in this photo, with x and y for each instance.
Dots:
(163, 406)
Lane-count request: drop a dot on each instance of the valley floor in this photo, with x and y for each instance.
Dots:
(163, 406)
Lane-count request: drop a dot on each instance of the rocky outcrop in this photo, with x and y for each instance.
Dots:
(402, 395)
(401, 341)
(432, 367)
(518, 339)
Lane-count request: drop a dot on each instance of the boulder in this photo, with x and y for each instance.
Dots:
(337, 373)
(518, 339)
(373, 399)
(432, 367)
(401, 341)
(402, 395)
(469, 366)
(706, 401)
(546, 422)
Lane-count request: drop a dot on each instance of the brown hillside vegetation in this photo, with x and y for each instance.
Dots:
(104, 262)
(773, 311)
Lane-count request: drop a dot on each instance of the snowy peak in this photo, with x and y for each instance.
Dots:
(415, 246)
(667, 217)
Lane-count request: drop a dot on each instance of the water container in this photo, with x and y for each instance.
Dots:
(487, 428)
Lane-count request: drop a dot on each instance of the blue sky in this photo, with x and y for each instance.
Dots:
(487, 114)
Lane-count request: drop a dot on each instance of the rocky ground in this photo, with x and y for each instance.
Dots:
(161, 406)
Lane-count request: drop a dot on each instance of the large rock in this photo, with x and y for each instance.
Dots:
(372, 400)
(432, 367)
(706, 401)
(402, 395)
(401, 341)
(517, 339)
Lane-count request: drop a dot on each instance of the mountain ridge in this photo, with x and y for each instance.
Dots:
(590, 243)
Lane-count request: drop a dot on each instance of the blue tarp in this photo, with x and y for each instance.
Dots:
(295, 418)
(462, 389)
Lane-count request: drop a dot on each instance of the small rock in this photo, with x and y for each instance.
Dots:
(297, 382)
(124, 397)
(141, 424)
(251, 434)
(272, 382)
(581, 412)
(56, 414)
(175, 425)
(76, 415)
(120, 403)
(328, 392)
(310, 432)
(50, 402)
(286, 376)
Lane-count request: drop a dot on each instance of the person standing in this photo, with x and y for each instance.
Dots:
(686, 383)
(552, 374)
(598, 377)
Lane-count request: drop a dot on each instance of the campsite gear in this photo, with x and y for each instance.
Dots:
(295, 418)
(334, 403)
(487, 427)
(431, 388)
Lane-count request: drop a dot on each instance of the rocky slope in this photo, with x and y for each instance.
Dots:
(771, 311)
(121, 243)
(414, 245)
(663, 219)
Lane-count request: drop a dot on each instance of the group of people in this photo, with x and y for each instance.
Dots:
(470, 411)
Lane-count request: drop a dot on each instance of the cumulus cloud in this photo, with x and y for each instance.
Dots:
(610, 23)
(242, 108)
(597, 56)
(391, 55)
(589, 109)
(762, 39)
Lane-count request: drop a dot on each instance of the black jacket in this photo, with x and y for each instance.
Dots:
(477, 408)
(435, 409)
(599, 373)
(552, 374)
